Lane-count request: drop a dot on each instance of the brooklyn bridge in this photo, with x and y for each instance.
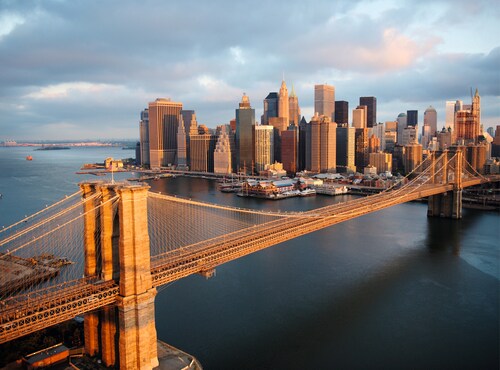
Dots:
(103, 251)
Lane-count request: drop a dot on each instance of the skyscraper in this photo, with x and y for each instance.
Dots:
(371, 114)
(412, 118)
(321, 145)
(341, 112)
(429, 129)
(144, 137)
(245, 122)
(324, 100)
(264, 146)
(361, 147)
(163, 122)
(450, 115)
(345, 149)
(402, 124)
(289, 148)
(222, 152)
(202, 151)
(359, 117)
(468, 122)
(293, 108)
(283, 104)
(181, 145)
(270, 108)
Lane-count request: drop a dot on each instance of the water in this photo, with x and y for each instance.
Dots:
(389, 290)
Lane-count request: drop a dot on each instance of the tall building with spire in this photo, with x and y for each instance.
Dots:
(164, 116)
(245, 123)
(283, 104)
(468, 121)
(324, 100)
(293, 108)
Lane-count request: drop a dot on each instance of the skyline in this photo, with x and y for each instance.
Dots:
(85, 70)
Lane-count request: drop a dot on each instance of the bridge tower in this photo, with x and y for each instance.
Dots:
(447, 172)
(117, 248)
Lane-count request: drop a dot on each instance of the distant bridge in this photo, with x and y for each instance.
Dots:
(125, 242)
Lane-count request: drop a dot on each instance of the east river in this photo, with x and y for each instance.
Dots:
(389, 290)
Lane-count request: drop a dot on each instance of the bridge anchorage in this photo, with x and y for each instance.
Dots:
(127, 241)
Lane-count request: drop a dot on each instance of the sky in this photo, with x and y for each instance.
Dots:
(84, 69)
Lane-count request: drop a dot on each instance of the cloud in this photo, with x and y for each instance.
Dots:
(94, 65)
(72, 89)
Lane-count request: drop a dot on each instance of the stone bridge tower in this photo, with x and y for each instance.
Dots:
(116, 242)
(446, 172)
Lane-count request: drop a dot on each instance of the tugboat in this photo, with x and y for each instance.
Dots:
(29, 158)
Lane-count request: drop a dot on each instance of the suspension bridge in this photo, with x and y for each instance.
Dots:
(103, 251)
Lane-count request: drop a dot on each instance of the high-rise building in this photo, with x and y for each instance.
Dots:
(181, 145)
(164, 116)
(373, 144)
(450, 115)
(468, 122)
(429, 128)
(341, 112)
(202, 151)
(409, 136)
(371, 114)
(293, 108)
(359, 116)
(321, 144)
(302, 154)
(190, 127)
(270, 108)
(222, 152)
(390, 140)
(328, 156)
(402, 124)
(345, 149)
(495, 145)
(412, 118)
(189, 118)
(324, 100)
(361, 147)
(144, 137)
(283, 103)
(412, 157)
(430, 119)
(289, 141)
(245, 123)
(264, 147)
(378, 131)
(382, 161)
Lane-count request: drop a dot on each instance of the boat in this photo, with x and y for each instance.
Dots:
(29, 158)
(307, 192)
(331, 189)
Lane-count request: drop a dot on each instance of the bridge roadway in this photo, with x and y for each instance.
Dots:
(28, 313)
